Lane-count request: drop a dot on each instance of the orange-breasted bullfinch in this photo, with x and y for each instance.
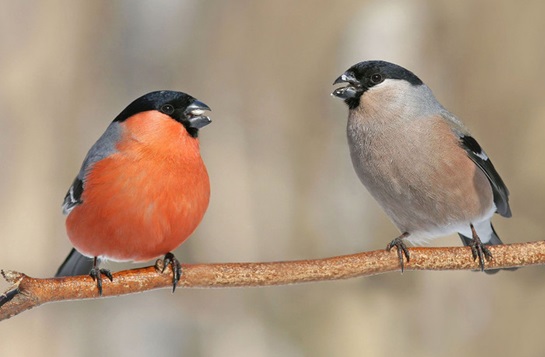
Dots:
(142, 189)
(419, 161)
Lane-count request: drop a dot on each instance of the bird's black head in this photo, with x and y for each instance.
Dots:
(179, 106)
(365, 75)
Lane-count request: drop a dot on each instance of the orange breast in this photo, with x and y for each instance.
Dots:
(147, 198)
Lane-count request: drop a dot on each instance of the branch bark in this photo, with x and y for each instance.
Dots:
(28, 292)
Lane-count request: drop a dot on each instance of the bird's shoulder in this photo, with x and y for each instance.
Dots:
(105, 146)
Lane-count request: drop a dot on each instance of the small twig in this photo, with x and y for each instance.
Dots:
(30, 292)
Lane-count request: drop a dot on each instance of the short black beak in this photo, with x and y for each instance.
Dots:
(350, 91)
(345, 78)
(195, 112)
(197, 105)
(339, 80)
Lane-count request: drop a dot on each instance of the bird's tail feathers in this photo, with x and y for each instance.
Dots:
(75, 264)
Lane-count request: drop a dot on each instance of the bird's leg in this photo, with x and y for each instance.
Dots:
(478, 249)
(176, 268)
(96, 273)
(401, 248)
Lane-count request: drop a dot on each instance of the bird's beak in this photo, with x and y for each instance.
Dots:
(349, 91)
(195, 112)
(345, 78)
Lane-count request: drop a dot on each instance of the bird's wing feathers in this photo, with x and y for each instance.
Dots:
(104, 147)
(73, 196)
(476, 153)
(479, 157)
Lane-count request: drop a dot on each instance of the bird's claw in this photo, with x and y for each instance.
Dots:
(402, 250)
(478, 249)
(171, 260)
(96, 273)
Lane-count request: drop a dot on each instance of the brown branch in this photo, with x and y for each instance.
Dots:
(28, 292)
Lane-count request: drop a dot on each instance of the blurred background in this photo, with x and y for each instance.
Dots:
(283, 186)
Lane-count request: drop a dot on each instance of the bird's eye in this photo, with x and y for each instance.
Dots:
(376, 78)
(167, 109)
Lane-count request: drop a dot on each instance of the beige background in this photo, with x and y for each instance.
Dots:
(283, 186)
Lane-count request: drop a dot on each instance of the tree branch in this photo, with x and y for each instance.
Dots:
(28, 292)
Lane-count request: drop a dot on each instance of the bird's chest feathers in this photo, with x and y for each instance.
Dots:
(393, 150)
(157, 167)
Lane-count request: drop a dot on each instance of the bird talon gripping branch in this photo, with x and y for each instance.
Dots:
(96, 273)
(401, 248)
(171, 260)
(479, 250)
(418, 160)
(142, 189)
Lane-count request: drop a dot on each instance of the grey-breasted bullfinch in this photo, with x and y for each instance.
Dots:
(419, 161)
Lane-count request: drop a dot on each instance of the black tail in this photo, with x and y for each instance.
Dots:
(495, 240)
(75, 264)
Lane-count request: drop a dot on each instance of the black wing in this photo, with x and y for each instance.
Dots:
(479, 157)
(73, 196)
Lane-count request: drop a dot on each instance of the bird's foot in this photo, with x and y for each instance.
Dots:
(478, 249)
(170, 259)
(402, 250)
(96, 273)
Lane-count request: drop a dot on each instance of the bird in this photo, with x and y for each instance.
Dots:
(419, 161)
(142, 189)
